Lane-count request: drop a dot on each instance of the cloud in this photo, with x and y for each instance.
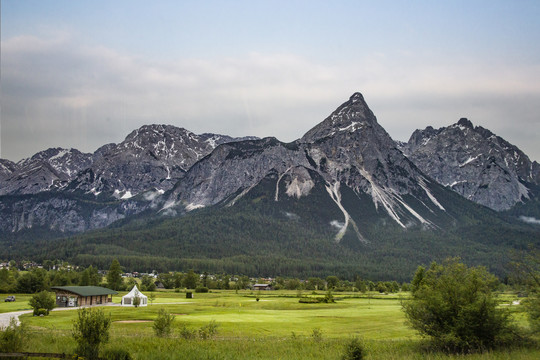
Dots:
(59, 92)
(530, 220)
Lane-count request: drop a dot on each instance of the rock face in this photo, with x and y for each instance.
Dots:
(47, 170)
(79, 191)
(475, 163)
(349, 149)
(348, 163)
(6, 169)
(151, 157)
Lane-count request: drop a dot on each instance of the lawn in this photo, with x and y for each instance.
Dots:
(21, 303)
(276, 327)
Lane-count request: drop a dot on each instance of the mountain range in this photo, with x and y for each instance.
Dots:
(341, 198)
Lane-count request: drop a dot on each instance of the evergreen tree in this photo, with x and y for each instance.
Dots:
(114, 276)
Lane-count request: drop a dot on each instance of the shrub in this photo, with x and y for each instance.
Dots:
(42, 300)
(453, 306)
(12, 337)
(40, 312)
(162, 323)
(136, 301)
(316, 335)
(201, 289)
(116, 354)
(90, 330)
(209, 330)
(354, 350)
(186, 332)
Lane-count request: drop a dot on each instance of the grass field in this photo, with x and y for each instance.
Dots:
(276, 327)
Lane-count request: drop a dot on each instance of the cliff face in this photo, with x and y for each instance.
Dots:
(475, 163)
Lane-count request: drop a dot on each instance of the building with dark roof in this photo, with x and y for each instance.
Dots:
(68, 296)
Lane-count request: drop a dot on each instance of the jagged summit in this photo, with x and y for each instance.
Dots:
(465, 122)
(351, 116)
(474, 162)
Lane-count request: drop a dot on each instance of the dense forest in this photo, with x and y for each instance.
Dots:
(261, 237)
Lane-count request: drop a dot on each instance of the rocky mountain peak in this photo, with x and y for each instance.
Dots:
(474, 162)
(351, 116)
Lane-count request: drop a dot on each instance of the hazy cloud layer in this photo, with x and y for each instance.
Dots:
(58, 92)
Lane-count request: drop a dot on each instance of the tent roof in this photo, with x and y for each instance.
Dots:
(86, 290)
(134, 292)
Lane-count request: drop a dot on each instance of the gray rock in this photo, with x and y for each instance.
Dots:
(474, 162)
(47, 170)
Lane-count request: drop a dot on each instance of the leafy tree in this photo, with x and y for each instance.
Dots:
(167, 280)
(417, 279)
(114, 276)
(90, 330)
(147, 283)
(130, 283)
(162, 323)
(7, 281)
(332, 281)
(95, 277)
(360, 284)
(33, 281)
(293, 284)
(42, 300)
(152, 297)
(85, 278)
(190, 280)
(453, 305)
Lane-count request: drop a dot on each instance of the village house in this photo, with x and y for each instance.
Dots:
(71, 296)
(262, 287)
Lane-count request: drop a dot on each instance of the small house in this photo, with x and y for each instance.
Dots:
(262, 287)
(72, 296)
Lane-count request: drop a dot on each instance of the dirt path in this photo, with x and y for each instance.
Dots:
(5, 317)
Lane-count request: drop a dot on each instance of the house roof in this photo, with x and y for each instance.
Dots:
(86, 290)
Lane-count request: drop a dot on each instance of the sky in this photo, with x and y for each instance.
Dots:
(83, 74)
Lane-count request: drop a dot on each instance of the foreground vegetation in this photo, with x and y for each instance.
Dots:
(277, 326)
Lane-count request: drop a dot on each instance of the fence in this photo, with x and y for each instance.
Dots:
(29, 354)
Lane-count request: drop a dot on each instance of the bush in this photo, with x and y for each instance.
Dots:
(209, 330)
(42, 300)
(201, 289)
(317, 335)
(354, 350)
(90, 329)
(116, 354)
(162, 323)
(12, 337)
(453, 306)
(39, 312)
(186, 332)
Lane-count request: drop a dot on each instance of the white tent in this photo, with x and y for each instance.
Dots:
(127, 300)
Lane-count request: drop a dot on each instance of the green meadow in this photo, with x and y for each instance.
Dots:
(275, 327)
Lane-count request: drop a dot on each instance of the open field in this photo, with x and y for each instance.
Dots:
(276, 327)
